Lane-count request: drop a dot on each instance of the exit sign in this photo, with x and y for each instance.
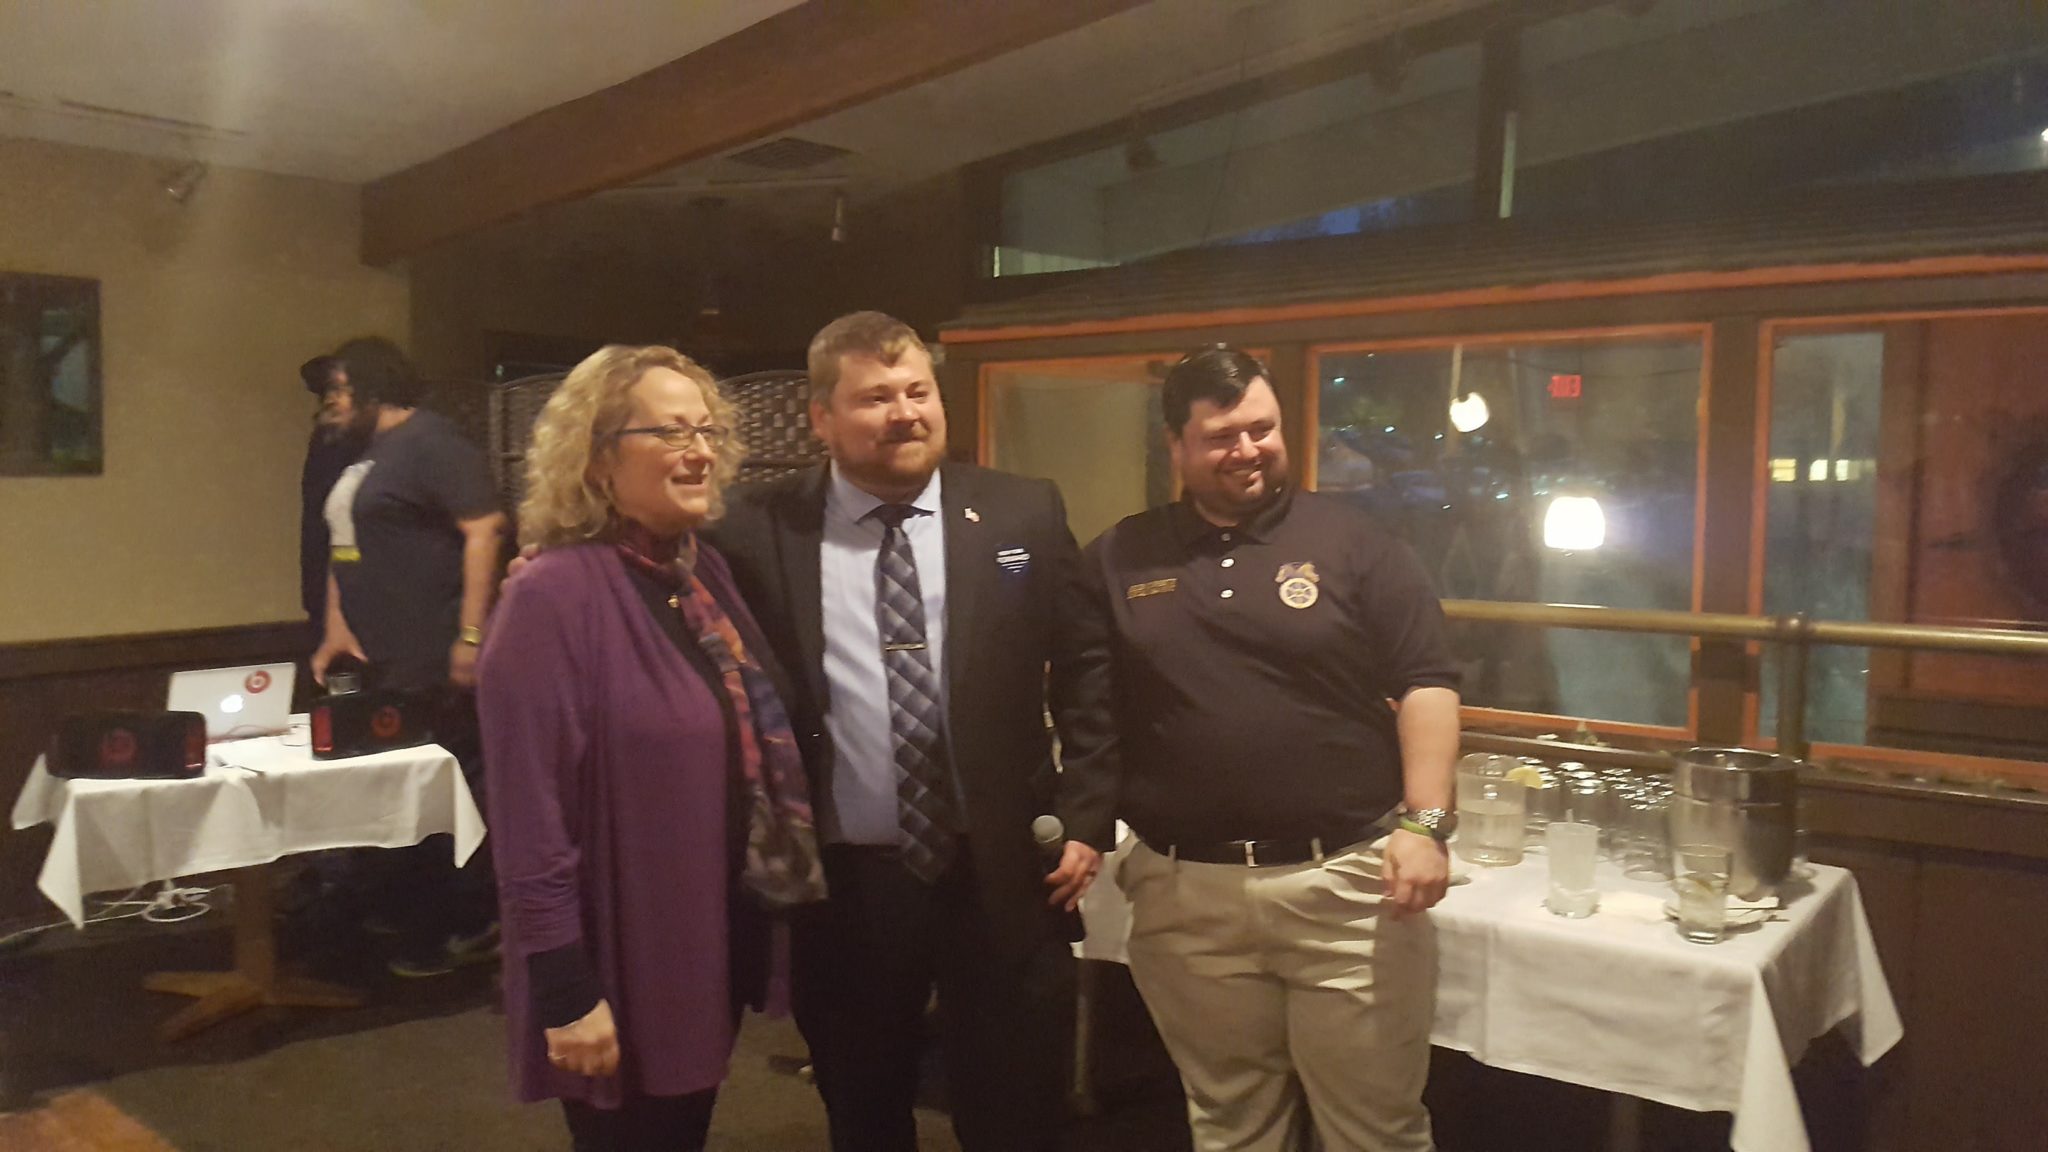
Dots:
(1566, 387)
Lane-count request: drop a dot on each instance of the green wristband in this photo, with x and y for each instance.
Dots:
(1408, 825)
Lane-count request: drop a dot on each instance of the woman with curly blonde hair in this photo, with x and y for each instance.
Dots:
(648, 811)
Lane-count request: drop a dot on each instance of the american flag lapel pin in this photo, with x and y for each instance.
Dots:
(973, 517)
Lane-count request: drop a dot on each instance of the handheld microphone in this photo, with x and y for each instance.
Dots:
(1051, 836)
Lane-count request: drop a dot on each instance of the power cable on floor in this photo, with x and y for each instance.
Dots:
(171, 904)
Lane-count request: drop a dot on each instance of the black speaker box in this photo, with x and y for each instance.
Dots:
(105, 745)
(374, 721)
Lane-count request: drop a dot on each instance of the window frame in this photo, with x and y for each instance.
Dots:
(45, 466)
(1769, 331)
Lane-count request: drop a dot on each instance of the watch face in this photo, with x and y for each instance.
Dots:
(1441, 822)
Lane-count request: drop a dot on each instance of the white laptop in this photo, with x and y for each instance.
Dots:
(238, 702)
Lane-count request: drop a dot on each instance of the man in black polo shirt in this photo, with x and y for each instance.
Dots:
(1284, 698)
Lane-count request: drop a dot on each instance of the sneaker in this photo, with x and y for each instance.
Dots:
(458, 952)
(378, 924)
(476, 949)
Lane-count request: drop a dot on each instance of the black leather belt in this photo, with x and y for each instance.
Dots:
(1268, 853)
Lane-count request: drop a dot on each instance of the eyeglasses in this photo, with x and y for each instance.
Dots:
(680, 435)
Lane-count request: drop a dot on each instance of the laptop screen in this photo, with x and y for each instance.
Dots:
(237, 702)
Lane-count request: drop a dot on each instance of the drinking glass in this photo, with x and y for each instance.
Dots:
(1701, 885)
(1647, 855)
(1587, 801)
(1545, 802)
(1573, 849)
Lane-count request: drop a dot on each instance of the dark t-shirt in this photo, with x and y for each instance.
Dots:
(397, 547)
(1255, 665)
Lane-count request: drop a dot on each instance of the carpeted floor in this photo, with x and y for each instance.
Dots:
(421, 1068)
(433, 1085)
(438, 1085)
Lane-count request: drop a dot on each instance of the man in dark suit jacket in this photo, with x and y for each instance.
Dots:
(924, 614)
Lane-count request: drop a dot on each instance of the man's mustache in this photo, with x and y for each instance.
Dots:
(908, 434)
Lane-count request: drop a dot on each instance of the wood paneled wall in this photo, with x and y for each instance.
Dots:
(1956, 888)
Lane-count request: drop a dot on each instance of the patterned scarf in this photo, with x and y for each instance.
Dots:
(782, 866)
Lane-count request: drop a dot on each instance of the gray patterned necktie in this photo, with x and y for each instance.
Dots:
(930, 825)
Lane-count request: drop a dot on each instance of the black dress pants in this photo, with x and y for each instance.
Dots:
(865, 965)
(436, 900)
(642, 1123)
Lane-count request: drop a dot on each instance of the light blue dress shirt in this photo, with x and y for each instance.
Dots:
(860, 804)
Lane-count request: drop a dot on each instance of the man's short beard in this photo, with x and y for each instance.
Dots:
(357, 428)
(1276, 478)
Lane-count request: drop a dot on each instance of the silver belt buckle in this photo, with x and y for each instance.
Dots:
(1251, 858)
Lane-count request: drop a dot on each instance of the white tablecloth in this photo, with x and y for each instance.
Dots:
(265, 799)
(1619, 1002)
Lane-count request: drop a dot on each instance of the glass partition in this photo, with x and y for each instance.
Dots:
(1560, 471)
(1906, 480)
(1820, 515)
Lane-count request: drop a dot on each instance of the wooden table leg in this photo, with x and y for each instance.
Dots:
(254, 981)
(1624, 1123)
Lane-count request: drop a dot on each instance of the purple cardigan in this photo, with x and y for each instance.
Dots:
(607, 807)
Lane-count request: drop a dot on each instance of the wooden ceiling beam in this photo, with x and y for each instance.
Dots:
(794, 67)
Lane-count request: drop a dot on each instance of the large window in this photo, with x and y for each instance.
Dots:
(1906, 480)
(1820, 514)
(49, 375)
(1565, 471)
(1672, 108)
(1692, 107)
(1365, 152)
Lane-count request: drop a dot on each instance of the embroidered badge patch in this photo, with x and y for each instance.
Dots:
(1151, 588)
(1298, 584)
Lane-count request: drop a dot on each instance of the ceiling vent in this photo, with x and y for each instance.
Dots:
(788, 154)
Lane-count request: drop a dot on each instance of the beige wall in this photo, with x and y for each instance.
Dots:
(206, 311)
(1086, 435)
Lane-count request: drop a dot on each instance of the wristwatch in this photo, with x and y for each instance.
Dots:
(1435, 823)
(471, 635)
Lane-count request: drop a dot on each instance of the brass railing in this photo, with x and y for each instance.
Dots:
(1794, 635)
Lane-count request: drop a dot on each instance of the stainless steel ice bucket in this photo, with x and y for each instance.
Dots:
(1747, 802)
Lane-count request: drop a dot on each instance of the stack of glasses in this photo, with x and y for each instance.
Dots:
(1497, 794)
(1579, 815)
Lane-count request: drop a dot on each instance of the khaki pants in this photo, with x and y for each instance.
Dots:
(1275, 987)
